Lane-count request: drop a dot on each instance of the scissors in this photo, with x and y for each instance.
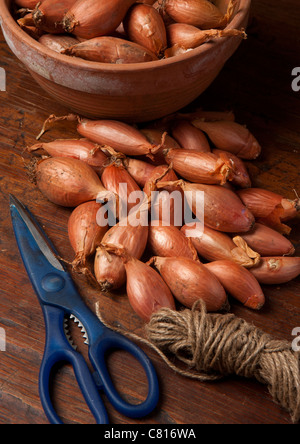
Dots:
(59, 299)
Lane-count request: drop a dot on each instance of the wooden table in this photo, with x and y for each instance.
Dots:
(256, 84)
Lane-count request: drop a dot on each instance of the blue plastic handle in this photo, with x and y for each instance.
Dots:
(58, 350)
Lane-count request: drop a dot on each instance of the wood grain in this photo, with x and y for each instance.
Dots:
(256, 85)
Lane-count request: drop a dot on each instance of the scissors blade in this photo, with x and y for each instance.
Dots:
(42, 241)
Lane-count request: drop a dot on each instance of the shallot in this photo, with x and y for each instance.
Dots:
(214, 245)
(116, 178)
(238, 282)
(240, 176)
(81, 149)
(69, 182)
(199, 167)
(120, 136)
(94, 18)
(169, 241)
(107, 49)
(57, 42)
(277, 270)
(49, 14)
(270, 208)
(189, 137)
(187, 36)
(190, 281)
(200, 13)
(268, 242)
(220, 207)
(232, 137)
(132, 236)
(144, 25)
(84, 231)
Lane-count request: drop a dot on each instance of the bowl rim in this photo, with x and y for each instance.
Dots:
(77, 63)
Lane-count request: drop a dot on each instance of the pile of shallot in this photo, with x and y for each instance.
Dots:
(125, 236)
(125, 31)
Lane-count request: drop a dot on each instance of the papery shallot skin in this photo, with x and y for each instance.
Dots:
(190, 281)
(239, 282)
(94, 18)
(146, 290)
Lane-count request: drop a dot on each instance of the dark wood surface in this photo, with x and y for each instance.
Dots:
(256, 85)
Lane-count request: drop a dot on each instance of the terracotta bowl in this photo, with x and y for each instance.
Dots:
(131, 92)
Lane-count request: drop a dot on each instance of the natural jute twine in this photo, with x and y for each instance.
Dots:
(216, 345)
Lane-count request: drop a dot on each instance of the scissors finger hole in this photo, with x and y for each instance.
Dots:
(66, 397)
(128, 376)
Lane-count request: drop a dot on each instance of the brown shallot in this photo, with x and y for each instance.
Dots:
(109, 269)
(230, 136)
(144, 25)
(116, 178)
(49, 14)
(139, 170)
(268, 242)
(199, 167)
(189, 137)
(57, 42)
(214, 245)
(146, 290)
(238, 282)
(270, 208)
(160, 139)
(69, 182)
(107, 49)
(220, 207)
(84, 231)
(166, 203)
(81, 149)
(94, 18)
(200, 13)
(169, 241)
(120, 136)
(277, 270)
(190, 281)
(189, 36)
(240, 176)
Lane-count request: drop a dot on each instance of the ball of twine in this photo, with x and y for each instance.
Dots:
(217, 345)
